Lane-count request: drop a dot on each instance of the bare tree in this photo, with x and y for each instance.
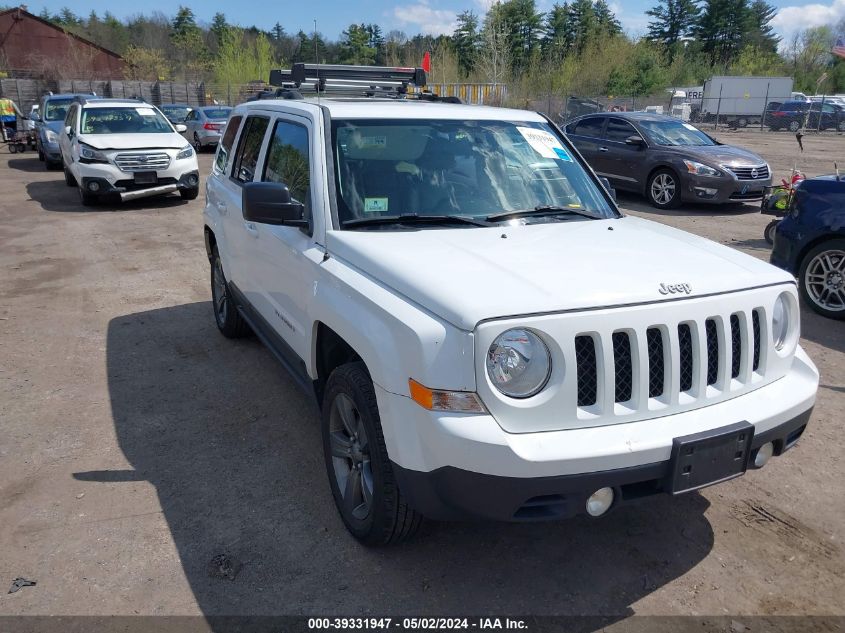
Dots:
(494, 56)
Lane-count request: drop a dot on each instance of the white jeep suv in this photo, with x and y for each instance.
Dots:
(125, 149)
(485, 333)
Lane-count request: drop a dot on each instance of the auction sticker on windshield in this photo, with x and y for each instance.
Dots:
(145, 111)
(544, 143)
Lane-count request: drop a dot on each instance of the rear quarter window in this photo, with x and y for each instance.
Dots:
(224, 148)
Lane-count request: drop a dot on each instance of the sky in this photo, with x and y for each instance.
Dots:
(411, 16)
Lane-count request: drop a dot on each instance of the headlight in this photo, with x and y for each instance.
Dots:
(519, 363)
(185, 152)
(91, 155)
(700, 169)
(780, 321)
(52, 137)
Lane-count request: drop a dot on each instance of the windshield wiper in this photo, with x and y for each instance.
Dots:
(542, 209)
(414, 218)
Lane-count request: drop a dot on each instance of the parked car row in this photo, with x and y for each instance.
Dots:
(814, 115)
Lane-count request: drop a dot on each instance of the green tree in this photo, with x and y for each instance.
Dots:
(355, 46)
(465, 41)
(606, 20)
(721, 29)
(219, 26)
(642, 74)
(673, 20)
(760, 32)
(524, 27)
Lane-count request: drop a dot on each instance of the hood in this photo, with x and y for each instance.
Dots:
(55, 126)
(468, 275)
(727, 155)
(167, 140)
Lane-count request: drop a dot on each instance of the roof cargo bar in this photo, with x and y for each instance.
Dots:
(349, 79)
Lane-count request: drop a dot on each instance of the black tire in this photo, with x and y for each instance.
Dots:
(70, 181)
(832, 304)
(13, 148)
(769, 232)
(841, 126)
(52, 165)
(40, 155)
(229, 320)
(88, 199)
(197, 144)
(189, 194)
(794, 126)
(350, 413)
(742, 122)
(658, 189)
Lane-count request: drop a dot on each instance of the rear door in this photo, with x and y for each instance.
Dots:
(586, 135)
(617, 161)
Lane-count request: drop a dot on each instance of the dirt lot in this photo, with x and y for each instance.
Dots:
(136, 444)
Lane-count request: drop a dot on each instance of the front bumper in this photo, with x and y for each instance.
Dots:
(102, 187)
(459, 466)
(51, 151)
(723, 189)
(450, 493)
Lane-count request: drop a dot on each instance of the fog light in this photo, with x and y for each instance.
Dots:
(764, 453)
(600, 502)
(192, 180)
(93, 186)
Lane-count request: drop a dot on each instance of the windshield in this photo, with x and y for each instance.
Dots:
(217, 113)
(124, 120)
(177, 113)
(674, 133)
(473, 169)
(56, 109)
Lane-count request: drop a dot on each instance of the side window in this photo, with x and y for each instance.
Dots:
(70, 119)
(249, 146)
(288, 161)
(221, 161)
(590, 127)
(618, 130)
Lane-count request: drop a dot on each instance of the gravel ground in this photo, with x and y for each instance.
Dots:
(136, 444)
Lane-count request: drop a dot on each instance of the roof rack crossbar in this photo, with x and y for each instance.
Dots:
(326, 72)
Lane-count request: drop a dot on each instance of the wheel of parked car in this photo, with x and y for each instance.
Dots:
(769, 231)
(841, 126)
(189, 194)
(794, 126)
(821, 278)
(40, 155)
(743, 122)
(664, 189)
(229, 321)
(87, 199)
(70, 181)
(197, 143)
(13, 148)
(360, 474)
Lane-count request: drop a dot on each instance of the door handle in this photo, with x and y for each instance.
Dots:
(251, 228)
(603, 149)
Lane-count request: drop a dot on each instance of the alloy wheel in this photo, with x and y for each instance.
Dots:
(663, 188)
(824, 280)
(350, 451)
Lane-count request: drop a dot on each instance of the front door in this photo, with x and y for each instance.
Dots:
(617, 161)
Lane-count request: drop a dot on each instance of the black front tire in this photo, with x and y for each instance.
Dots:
(229, 320)
(88, 199)
(664, 189)
(189, 194)
(383, 516)
(53, 165)
(70, 181)
(835, 303)
(769, 232)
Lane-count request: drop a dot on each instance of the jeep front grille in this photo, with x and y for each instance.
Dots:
(142, 161)
(713, 349)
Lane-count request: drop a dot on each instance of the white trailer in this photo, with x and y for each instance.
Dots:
(742, 101)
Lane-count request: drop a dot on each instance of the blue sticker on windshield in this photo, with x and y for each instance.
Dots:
(562, 154)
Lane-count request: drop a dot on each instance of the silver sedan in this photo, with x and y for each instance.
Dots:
(205, 125)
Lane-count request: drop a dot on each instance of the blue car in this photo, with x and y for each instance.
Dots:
(50, 123)
(810, 243)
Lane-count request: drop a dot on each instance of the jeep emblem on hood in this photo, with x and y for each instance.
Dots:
(673, 289)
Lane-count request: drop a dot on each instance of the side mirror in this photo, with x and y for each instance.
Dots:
(609, 187)
(636, 140)
(180, 127)
(69, 131)
(271, 203)
(35, 117)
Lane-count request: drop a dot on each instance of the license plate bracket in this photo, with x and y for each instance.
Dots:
(146, 178)
(710, 457)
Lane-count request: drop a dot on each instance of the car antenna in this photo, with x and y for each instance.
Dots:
(317, 60)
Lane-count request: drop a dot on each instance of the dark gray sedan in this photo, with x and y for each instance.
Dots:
(667, 160)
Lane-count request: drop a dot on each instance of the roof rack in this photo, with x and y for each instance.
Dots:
(367, 81)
